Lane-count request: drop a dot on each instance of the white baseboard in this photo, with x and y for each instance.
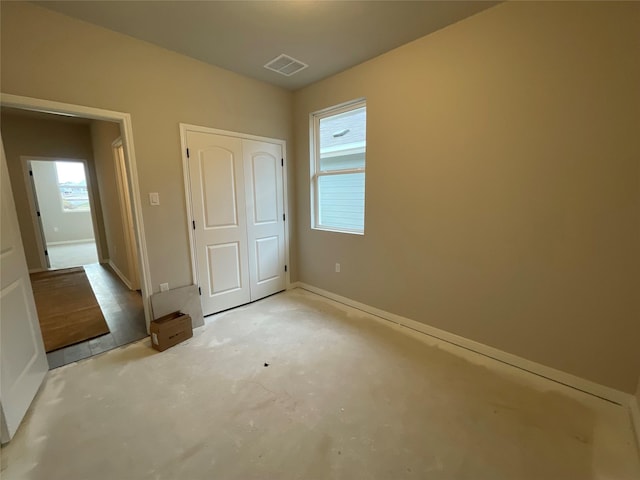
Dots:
(71, 242)
(124, 279)
(602, 391)
(634, 411)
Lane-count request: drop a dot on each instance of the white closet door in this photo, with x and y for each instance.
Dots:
(22, 356)
(265, 217)
(219, 211)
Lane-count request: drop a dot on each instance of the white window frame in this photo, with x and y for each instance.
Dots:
(315, 170)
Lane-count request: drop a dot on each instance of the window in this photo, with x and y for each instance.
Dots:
(338, 153)
(72, 185)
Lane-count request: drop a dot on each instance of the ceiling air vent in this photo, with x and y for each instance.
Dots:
(285, 65)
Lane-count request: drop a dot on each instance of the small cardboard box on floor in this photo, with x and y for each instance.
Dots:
(170, 330)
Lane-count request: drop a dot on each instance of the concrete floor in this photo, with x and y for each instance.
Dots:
(344, 395)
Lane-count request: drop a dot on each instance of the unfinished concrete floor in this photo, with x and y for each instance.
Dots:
(343, 396)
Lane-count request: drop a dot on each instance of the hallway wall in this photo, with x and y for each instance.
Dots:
(103, 134)
(25, 135)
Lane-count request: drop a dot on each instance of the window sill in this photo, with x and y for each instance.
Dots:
(336, 230)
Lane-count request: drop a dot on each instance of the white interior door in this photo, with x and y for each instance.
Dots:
(122, 183)
(22, 357)
(219, 211)
(263, 169)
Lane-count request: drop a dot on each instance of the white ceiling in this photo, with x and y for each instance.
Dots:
(329, 36)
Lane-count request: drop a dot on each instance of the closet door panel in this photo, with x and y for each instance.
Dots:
(265, 217)
(218, 202)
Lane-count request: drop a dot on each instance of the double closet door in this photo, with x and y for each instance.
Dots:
(237, 204)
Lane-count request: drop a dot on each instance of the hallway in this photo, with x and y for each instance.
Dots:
(122, 309)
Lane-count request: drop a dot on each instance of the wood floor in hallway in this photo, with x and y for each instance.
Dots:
(122, 309)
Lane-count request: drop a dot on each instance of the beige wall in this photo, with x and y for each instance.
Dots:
(103, 134)
(502, 181)
(503, 201)
(58, 226)
(50, 56)
(25, 136)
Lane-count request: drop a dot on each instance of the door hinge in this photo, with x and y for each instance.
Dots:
(194, 224)
(31, 173)
(285, 268)
(46, 253)
(199, 291)
(38, 213)
(282, 162)
(284, 218)
(187, 153)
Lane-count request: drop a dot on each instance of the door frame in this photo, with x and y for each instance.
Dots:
(36, 221)
(126, 130)
(124, 199)
(186, 127)
(32, 196)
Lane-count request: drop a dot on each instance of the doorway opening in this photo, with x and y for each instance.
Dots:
(62, 212)
(99, 198)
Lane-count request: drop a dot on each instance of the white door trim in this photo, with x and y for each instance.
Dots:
(634, 412)
(228, 133)
(184, 128)
(35, 221)
(126, 129)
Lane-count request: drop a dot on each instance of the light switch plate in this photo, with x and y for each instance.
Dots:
(154, 198)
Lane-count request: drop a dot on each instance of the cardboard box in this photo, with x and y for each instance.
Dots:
(170, 330)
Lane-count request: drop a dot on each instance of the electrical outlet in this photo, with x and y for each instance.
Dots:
(337, 268)
(164, 287)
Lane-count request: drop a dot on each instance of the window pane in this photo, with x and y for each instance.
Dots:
(343, 140)
(73, 186)
(341, 201)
